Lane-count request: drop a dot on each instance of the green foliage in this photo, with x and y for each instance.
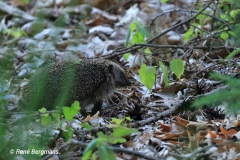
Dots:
(37, 27)
(89, 149)
(100, 146)
(237, 32)
(224, 35)
(128, 119)
(122, 131)
(164, 1)
(190, 33)
(138, 34)
(201, 18)
(232, 54)
(56, 116)
(165, 73)
(45, 118)
(70, 112)
(117, 121)
(87, 126)
(148, 73)
(177, 66)
(230, 95)
(119, 131)
(45, 121)
(15, 32)
(147, 76)
(67, 133)
(106, 153)
(25, 1)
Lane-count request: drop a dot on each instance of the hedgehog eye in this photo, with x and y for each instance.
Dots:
(110, 68)
(122, 75)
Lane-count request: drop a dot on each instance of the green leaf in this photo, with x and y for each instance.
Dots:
(147, 76)
(115, 140)
(25, 1)
(224, 1)
(165, 73)
(137, 38)
(127, 38)
(232, 54)
(101, 136)
(133, 26)
(234, 13)
(122, 131)
(128, 119)
(76, 106)
(87, 155)
(68, 133)
(43, 110)
(138, 33)
(190, 33)
(56, 116)
(201, 18)
(164, 1)
(117, 121)
(224, 35)
(70, 112)
(177, 66)
(232, 33)
(126, 56)
(16, 32)
(45, 121)
(148, 51)
(89, 149)
(143, 31)
(87, 126)
(106, 153)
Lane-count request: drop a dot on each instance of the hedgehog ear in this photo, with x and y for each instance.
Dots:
(110, 68)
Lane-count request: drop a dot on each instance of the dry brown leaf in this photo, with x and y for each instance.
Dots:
(165, 128)
(228, 133)
(182, 121)
(212, 134)
(177, 143)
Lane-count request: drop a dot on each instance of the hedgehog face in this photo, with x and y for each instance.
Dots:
(119, 75)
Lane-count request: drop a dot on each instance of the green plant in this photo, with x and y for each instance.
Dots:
(232, 54)
(230, 95)
(100, 146)
(147, 76)
(15, 32)
(137, 33)
(177, 66)
(148, 73)
(165, 73)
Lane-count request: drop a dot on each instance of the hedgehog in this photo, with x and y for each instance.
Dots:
(88, 81)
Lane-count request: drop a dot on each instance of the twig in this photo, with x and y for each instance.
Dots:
(193, 11)
(177, 25)
(115, 149)
(198, 150)
(159, 115)
(213, 91)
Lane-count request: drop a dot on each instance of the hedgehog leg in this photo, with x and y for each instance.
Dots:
(83, 112)
(97, 106)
